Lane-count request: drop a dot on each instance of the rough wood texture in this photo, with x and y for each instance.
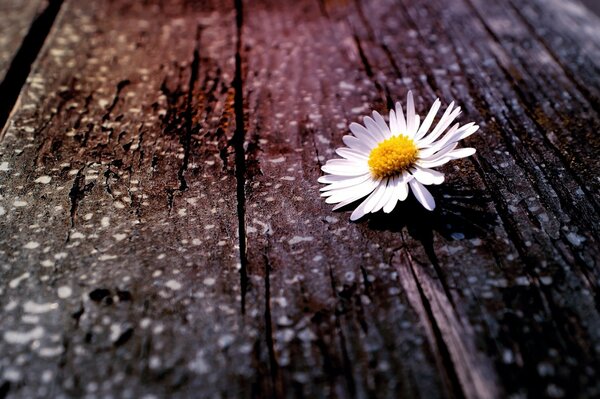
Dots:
(16, 19)
(163, 234)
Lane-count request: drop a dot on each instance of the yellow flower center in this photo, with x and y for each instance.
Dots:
(392, 156)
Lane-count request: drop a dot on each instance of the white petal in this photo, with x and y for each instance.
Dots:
(352, 193)
(442, 124)
(434, 163)
(327, 179)
(402, 191)
(394, 129)
(345, 182)
(373, 128)
(393, 198)
(427, 176)
(406, 177)
(387, 194)
(356, 144)
(468, 131)
(422, 195)
(361, 210)
(416, 126)
(410, 115)
(364, 135)
(352, 154)
(400, 122)
(346, 163)
(452, 136)
(443, 142)
(462, 153)
(375, 197)
(437, 154)
(429, 119)
(385, 129)
(345, 169)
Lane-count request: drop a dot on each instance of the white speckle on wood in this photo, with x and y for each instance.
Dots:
(31, 245)
(39, 308)
(173, 284)
(14, 283)
(120, 236)
(299, 239)
(77, 235)
(50, 351)
(18, 337)
(4, 167)
(209, 281)
(43, 179)
(19, 203)
(107, 257)
(277, 160)
(64, 292)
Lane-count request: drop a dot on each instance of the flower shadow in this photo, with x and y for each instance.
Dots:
(459, 214)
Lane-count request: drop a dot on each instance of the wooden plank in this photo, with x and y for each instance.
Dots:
(488, 274)
(17, 17)
(119, 245)
(25, 28)
(148, 137)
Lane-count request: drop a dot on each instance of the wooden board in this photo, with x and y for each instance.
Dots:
(17, 17)
(163, 234)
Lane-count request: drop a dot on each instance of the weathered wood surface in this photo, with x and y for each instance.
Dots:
(17, 17)
(162, 233)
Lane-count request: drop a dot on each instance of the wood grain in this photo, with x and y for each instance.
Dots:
(163, 233)
(17, 17)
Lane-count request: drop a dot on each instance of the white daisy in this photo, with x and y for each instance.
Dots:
(383, 161)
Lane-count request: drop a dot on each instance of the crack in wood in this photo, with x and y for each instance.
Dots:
(237, 141)
(20, 66)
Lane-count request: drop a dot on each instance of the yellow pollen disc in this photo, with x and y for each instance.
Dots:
(392, 156)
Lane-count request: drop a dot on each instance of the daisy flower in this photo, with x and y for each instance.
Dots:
(383, 162)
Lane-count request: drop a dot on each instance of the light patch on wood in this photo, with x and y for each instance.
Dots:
(43, 179)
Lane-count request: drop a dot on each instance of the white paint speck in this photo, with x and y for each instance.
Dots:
(64, 292)
(120, 236)
(4, 167)
(173, 284)
(299, 239)
(19, 203)
(39, 308)
(199, 365)
(51, 351)
(107, 257)
(77, 235)
(14, 283)
(23, 337)
(277, 160)
(31, 245)
(209, 281)
(105, 222)
(43, 179)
